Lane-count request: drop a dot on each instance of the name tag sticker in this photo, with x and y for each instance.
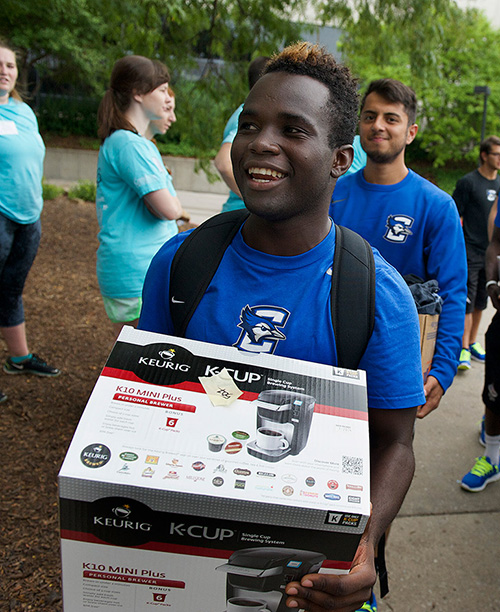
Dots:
(7, 128)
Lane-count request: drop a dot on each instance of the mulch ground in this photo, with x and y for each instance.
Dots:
(66, 324)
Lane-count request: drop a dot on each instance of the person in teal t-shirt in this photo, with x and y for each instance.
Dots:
(136, 202)
(21, 168)
(359, 159)
(223, 158)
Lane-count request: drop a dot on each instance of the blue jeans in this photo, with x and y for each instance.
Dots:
(18, 249)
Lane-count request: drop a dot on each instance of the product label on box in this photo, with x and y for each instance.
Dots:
(150, 423)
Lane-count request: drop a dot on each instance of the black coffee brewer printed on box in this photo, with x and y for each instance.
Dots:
(257, 577)
(283, 423)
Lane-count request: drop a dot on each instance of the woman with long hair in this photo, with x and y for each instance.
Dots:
(136, 201)
(21, 168)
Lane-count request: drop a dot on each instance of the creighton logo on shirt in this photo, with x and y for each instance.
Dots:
(491, 194)
(259, 324)
(398, 228)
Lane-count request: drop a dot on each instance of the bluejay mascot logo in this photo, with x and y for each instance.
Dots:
(259, 324)
(398, 228)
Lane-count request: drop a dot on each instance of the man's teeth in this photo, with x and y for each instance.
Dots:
(266, 172)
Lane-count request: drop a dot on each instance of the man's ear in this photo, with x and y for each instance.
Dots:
(412, 132)
(342, 160)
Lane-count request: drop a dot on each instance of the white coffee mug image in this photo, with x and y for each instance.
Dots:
(271, 439)
(244, 604)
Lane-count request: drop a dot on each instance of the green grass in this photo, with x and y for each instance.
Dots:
(51, 192)
(83, 190)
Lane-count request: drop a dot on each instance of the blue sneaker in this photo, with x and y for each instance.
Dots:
(482, 439)
(464, 360)
(370, 605)
(477, 352)
(481, 474)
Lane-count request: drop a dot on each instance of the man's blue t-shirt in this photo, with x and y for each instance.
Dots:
(416, 227)
(129, 167)
(281, 305)
(21, 163)
(234, 202)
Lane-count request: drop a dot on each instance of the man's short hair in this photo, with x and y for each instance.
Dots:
(394, 91)
(488, 143)
(310, 60)
(256, 69)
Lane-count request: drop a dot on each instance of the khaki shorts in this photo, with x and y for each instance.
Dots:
(122, 310)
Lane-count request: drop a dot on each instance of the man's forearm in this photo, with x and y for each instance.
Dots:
(492, 252)
(391, 474)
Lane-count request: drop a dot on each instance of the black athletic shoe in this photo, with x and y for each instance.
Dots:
(33, 365)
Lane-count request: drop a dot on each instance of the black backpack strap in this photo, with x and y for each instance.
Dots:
(352, 296)
(196, 262)
(381, 567)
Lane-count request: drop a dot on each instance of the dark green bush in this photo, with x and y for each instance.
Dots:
(68, 115)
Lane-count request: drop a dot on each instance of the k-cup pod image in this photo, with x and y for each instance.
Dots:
(233, 447)
(215, 442)
(240, 435)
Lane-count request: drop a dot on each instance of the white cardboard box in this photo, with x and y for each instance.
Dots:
(157, 513)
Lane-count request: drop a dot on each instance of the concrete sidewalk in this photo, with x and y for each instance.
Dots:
(443, 550)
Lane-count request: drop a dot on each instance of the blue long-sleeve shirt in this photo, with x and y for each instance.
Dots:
(416, 227)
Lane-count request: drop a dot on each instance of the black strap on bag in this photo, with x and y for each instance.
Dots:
(352, 296)
(195, 263)
(353, 281)
(381, 567)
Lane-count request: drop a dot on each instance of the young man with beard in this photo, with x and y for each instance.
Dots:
(294, 140)
(413, 224)
(475, 194)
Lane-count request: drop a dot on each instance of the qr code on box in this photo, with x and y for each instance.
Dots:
(352, 465)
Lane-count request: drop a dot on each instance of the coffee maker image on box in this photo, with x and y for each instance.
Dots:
(257, 577)
(283, 424)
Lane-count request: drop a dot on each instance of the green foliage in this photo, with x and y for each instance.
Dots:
(51, 192)
(83, 190)
(65, 115)
(73, 44)
(444, 177)
(61, 37)
(442, 52)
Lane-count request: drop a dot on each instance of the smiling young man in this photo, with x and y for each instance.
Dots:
(413, 224)
(293, 142)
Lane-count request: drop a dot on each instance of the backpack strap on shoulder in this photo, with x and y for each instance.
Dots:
(196, 262)
(352, 296)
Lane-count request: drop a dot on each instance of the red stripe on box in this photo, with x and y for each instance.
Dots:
(347, 413)
(151, 401)
(178, 549)
(151, 581)
(248, 396)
